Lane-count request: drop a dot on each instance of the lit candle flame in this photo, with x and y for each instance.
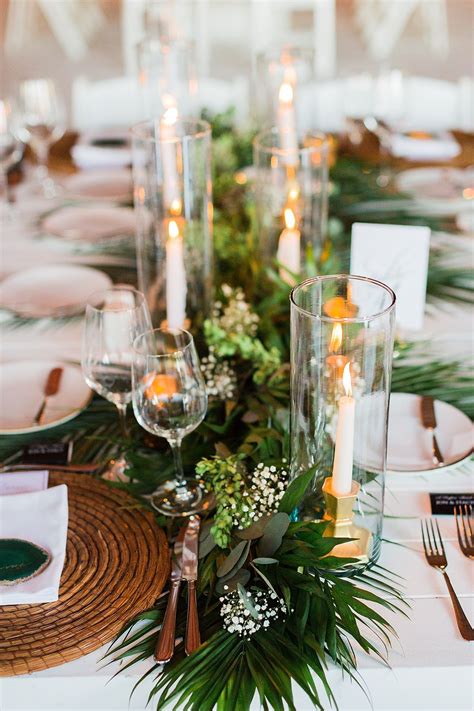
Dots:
(293, 194)
(175, 207)
(285, 95)
(336, 338)
(173, 229)
(170, 116)
(346, 380)
(290, 220)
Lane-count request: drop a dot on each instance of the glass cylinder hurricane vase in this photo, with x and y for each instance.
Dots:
(341, 360)
(279, 72)
(291, 195)
(173, 206)
(167, 76)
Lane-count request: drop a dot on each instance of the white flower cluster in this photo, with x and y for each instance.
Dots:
(219, 375)
(237, 316)
(269, 483)
(237, 618)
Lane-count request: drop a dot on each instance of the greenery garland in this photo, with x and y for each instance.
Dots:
(266, 582)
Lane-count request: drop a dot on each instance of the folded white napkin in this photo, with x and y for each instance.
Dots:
(441, 146)
(40, 517)
(87, 155)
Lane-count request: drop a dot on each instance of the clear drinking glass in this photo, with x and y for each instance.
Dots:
(10, 148)
(42, 124)
(114, 319)
(291, 196)
(170, 401)
(342, 330)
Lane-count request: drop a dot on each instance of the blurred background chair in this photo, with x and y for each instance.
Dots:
(72, 22)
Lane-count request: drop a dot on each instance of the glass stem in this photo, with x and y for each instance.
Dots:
(122, 411)
(4, 187)
(42, 152)
(178, 463)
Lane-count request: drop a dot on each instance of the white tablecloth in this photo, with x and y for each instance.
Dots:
(431, 665)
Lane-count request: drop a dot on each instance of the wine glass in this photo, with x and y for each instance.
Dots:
(10, 149)
(42, 124)
(114, 319)
(170, 400)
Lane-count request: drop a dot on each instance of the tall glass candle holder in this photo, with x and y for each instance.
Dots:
(167, 76)
(280, 75)
(291, 194)
(341, 361)
(173, 206)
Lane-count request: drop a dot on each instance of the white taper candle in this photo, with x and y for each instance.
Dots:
(344, 454)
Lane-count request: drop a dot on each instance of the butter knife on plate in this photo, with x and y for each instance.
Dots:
(165, 646)
(51, 388)
(190, 574)
(428, 419)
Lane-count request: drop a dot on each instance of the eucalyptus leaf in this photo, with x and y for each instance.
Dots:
(227, 585)
(256, 530)
(247, 600)
(275, 529)
(264, 561)
(206, 545)
(235, 559)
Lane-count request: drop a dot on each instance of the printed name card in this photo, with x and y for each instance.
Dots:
(396, 255)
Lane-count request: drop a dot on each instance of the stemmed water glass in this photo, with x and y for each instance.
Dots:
(10, 148)
(170, 400)
(42, 124)
(114, 319)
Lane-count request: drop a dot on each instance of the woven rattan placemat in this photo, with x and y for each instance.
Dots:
(116, 565)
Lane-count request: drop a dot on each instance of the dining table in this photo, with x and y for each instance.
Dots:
(429, 665)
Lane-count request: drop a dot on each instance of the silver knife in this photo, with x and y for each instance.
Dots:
(165, 646)
(190, 574)
(428, 418)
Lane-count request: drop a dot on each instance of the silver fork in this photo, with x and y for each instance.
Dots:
(436, 557)
(464, 529)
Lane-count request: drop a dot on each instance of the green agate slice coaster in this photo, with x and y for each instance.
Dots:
(20, 560)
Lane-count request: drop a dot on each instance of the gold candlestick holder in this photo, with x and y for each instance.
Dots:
(339, 513)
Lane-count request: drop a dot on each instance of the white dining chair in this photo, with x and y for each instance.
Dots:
(383, 22)
(72, 22)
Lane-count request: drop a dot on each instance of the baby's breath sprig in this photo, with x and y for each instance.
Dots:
(219, 375)
(267, 488)
(232, 330)
(262, 609)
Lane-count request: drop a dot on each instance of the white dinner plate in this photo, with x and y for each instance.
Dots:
(448, 188)
(55, 290)
(21, 394)
(409, 443)
(100, 184)
(91, 223)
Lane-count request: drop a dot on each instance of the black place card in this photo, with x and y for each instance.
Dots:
(445, 503)
(47, 453)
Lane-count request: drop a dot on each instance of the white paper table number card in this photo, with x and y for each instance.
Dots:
(397, 255)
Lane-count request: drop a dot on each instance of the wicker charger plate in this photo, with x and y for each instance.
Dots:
(116, 565)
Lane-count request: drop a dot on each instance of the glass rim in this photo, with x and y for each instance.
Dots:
(275, 52)
(167, 44)
(115, 287)
(343, 319)
(140, 131)
(163, 331)
(260, 147)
